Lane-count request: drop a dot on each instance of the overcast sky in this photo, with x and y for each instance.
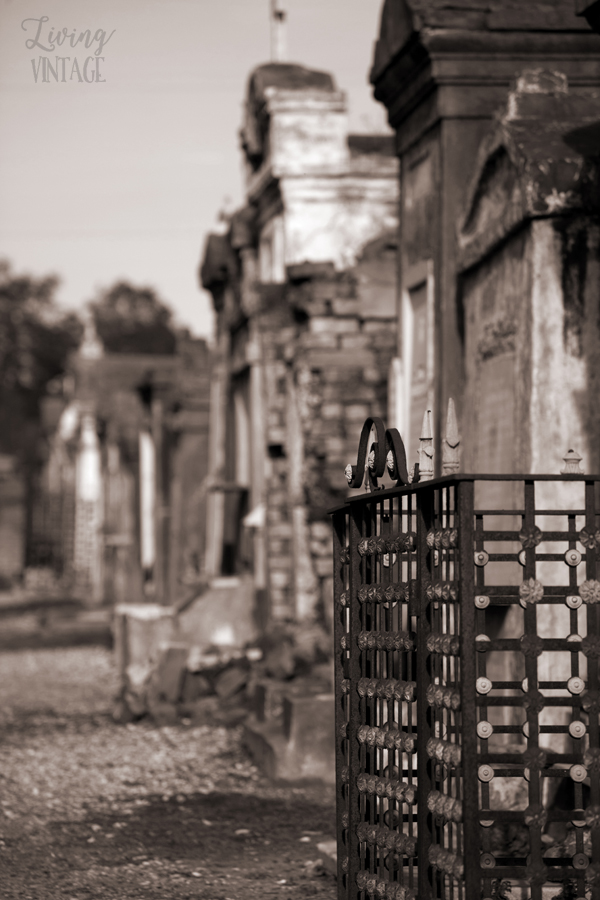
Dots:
(122, 178)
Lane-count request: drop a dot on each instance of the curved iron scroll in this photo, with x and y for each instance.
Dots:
(388, 448)
(395, 446)
(377, 467)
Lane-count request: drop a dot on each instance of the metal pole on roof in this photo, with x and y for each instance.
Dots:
(278, 32)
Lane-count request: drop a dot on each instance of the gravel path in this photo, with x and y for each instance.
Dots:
(92, 809)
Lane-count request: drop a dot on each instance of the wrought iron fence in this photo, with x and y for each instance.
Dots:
(467, 684)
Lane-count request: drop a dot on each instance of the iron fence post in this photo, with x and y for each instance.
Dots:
(340, 612)
(470, 784)
(354, 673)
(425, 514)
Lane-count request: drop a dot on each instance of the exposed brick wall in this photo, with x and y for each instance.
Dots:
(320, 344)
(325, 361)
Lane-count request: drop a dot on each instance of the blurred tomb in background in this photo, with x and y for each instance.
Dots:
(126, 438)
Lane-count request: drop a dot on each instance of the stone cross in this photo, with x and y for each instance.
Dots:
(278, 33)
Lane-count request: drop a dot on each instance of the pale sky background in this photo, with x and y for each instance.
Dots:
(124, 179)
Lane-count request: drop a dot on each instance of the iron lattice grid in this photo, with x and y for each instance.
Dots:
(424, 576)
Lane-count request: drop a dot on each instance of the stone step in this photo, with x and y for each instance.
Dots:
(56, 627)
(299, 745)
(328, 851)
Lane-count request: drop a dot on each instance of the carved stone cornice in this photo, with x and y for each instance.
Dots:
(431, 64)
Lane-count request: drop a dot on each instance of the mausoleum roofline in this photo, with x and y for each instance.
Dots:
(289, 77)
(450, 61)
(400, 19)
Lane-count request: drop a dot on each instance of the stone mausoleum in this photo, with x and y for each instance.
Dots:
(119, 505)
(303, 284)
(490, 101)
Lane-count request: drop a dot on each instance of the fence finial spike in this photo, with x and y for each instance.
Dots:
(426, 448)
(451, 442)
(426, 428)
(572, 467)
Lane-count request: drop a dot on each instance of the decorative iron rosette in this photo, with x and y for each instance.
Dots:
(591, 759)
(370, 593)
(366, 783)
(344, 557)
(531, 591)
(532, 645)
(387, 688)
(590, 539)
(384, 787)
(369, 546)
(592, 816)
(385, 890)
(393, 739)
(366, 882)
(384, 640)
(535, 759)
(366, 687)
(396, 842)
(443, 590)
(444, 805)
(409, 794)
(404, 540)
(592, 874)
(444, 751)
(408, 742)
(589, 592)
(361, 880)
(534, 701)
(590, 646)
(382, 593)
(405, 844)
(446, 861)
(395, 592)
(408, 692)
(365, 735)
(537, 873)
(530, 537)
(443, 697)
(371, 737)
(448, 644)
(535, 816)
(590, 701)
(442, 538)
